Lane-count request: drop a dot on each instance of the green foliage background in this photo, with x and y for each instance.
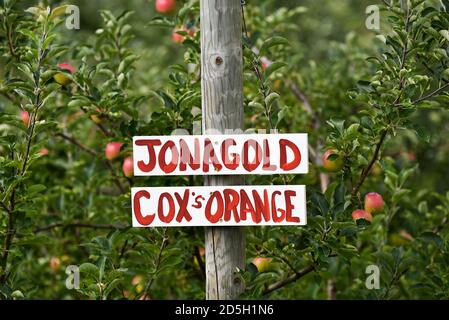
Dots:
(352, 89)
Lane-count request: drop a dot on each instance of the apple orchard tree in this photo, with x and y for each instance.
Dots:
(372, 103)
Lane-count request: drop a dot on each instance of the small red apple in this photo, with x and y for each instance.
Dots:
(61, 77)
(176, 37)
(265, 62)
(262, 264)
(128, 167)
(361, 214)
(25, 117)
(165, 6)
(332, 161)
(136, 280)
(67, 66)
(406, 235)
(43, 152)
(54, 263)
(411, 155)
(374, 202)
(112, 150)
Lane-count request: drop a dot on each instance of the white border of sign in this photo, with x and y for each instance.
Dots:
(290, 201)
(280, 147)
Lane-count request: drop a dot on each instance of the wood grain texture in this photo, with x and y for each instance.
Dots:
(222, 112)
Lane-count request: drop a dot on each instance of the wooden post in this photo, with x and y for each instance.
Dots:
(222, 109)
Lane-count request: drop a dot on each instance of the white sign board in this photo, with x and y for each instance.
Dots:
(221, 154)
(219, 206)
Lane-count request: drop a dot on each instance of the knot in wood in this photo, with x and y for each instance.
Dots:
(218, 60)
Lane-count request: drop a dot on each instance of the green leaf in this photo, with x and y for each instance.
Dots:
(431, 237)
(111, 286)
(271, 98)
(161, 22)
(90, 269)
(166, 98)
(319, 200)
(102, 268)
(36, 189)
(339, 194)
(337, 124)
(5, 290)
(58, 11)
(445, 34)
(256, 105)
(274, 67)
(282, 114)
(271, 42)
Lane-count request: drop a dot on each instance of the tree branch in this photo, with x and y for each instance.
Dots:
(105, 131)
(77, 225)
(78, 144)
(431, 94)
(158, 263)
(290, 279)
(307, 106)
(315, 153)
(114, 176)
(95, 154)
(37, 104)
(384, 133)
(373, 160)
(4, 206)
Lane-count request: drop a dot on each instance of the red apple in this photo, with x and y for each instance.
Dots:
(334, 163)
(361, 214)
(262, 264)
(54, 263)
(136, 280)
(374, 202)
(406, 235)
(43, 152)
(61, 77)
(128, 167)
(411, 155)
(176, 37)
(67, 66)
(165, 6)
(112, 150)
(25, 117)
(265, 62)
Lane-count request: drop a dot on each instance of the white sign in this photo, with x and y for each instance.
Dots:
(221, 154)
(219, 206)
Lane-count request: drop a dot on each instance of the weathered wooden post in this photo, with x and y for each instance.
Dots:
(222, 105)
(224, 205)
